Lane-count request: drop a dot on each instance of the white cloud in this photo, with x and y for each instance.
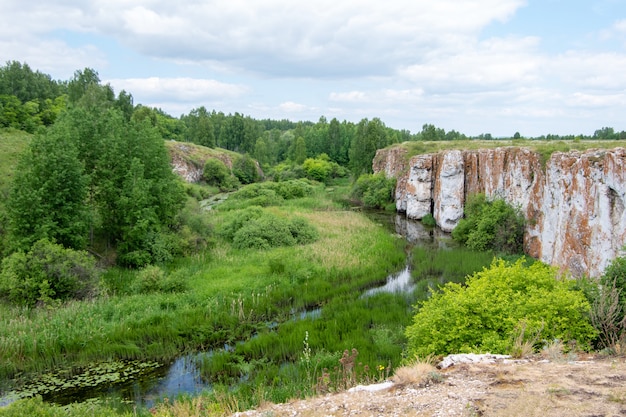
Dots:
(45, 56)
(276, 37)
(586, 69)
(291, 107)
(187, 90)
(490, 64)
(384, 96)
(596, 100)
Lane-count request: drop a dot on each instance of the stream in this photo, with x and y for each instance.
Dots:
(146, 384)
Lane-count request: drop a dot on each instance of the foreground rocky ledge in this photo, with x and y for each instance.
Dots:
(590, 387)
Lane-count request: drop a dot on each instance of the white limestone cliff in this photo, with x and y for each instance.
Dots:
(574, 202)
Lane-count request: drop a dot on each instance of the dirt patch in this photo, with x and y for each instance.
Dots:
(592, 387)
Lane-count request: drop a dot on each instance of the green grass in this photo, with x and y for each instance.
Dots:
(433, 267)
(543, 147)
(232, 293)
(12, 144)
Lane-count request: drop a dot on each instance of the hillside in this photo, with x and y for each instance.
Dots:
(12, 143)
(188, 159)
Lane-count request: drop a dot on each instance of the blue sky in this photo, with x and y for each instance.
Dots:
(475, 66)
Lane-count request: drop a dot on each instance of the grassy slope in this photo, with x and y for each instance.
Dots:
(12, 143)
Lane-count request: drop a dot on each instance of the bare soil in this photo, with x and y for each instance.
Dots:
(592, 387)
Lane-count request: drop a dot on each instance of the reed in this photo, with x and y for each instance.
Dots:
(231, 294)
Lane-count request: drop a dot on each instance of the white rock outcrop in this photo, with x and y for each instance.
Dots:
(574, 202)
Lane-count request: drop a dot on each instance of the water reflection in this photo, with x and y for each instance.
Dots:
(182, 377)
(400, 282)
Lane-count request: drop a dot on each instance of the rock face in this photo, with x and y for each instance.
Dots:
(574, 202)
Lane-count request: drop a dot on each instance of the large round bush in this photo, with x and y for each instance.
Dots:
(482, 316)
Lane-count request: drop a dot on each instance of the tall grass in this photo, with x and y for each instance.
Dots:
(432, 267)
(232, 293)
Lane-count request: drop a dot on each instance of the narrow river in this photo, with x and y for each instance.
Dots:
(182, 375)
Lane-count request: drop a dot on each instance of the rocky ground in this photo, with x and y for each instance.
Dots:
(537, 387)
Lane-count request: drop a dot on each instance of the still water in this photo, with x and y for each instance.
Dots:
(182, 376)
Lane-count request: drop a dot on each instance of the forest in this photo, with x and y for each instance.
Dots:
(112, 265)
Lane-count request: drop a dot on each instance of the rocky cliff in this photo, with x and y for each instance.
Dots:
(188, 159)
(573, 202)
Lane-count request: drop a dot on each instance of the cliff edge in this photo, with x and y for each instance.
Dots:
(574, 202)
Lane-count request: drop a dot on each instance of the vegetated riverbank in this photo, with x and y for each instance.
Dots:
(229, 295)
(245, 300)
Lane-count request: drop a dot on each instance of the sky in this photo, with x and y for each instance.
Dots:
(475, 66)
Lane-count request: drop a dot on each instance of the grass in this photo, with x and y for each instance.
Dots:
(12, 144)
(233, 293)
(545, 147)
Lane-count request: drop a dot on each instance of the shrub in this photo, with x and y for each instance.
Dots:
(292, 189)
(236, 219)
(491, 225)
(254, 228)
(608, 310)
(317, 169)
(47, 272)
(302, 231)
(194, 229)
(245, 169)
(374, 190)
(263, 233)
(615, 274)
(484, 315)
(154, 279)
(429, 220)
(215, 172)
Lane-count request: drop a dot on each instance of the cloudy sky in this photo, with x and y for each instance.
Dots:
(475, 66)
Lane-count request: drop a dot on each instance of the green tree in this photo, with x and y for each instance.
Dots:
(298, 152)
(49, 193)
(432, 133)
(245, 169)
(370, 136)
(215, 172)
(261, 153)
(199, 129)
(80, 83)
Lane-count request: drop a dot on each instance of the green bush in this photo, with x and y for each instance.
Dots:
(47, 272)
(374, 190)
(491, 225)
(429, 220)
(264, 233)
(245, 169)
(483, 315)
(302, 231)
(154, 279)
(616, 273)
(254, 228)
(215, 172)
(292, 189)
(194, 229)
(608, 311)
(317, 169)
(235, 220)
